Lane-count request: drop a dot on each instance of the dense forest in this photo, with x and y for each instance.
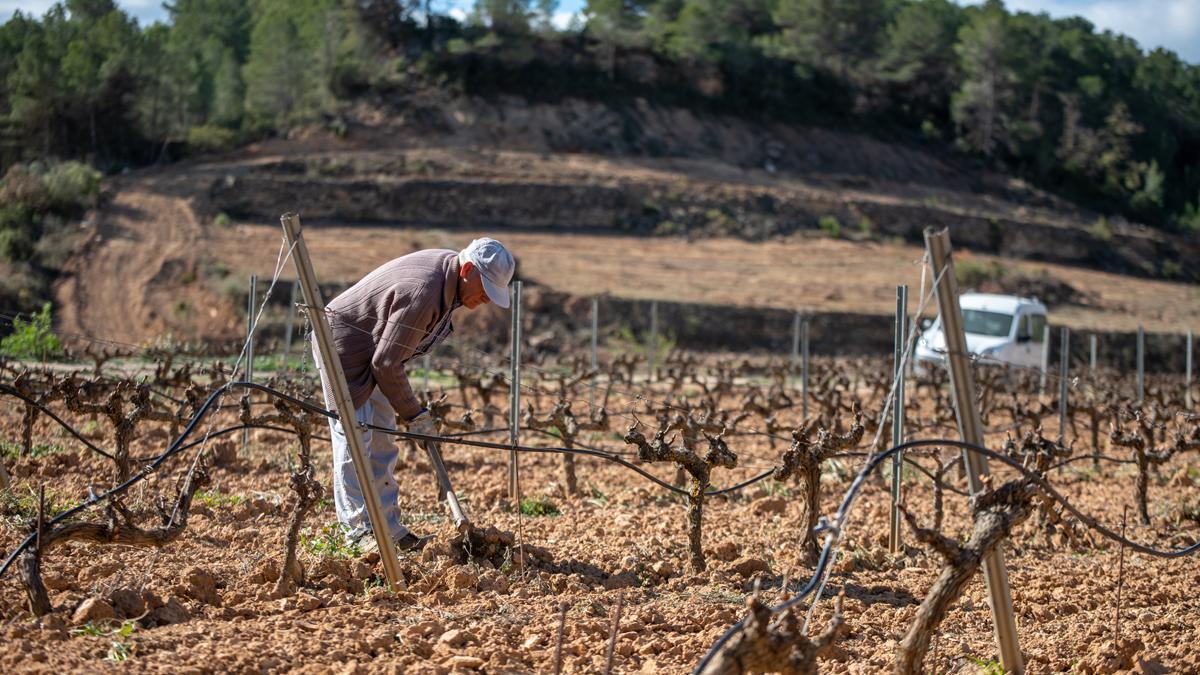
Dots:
(1081, 112)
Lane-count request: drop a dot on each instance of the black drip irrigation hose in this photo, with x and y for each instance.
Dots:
(831, 530)
(11, 391)
(178, 445)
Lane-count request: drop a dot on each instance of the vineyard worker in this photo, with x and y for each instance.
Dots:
(398, 311)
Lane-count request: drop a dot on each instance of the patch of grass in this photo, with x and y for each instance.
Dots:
(597, 497)
(986, 666)
(20, 507)
(10, 450)
(777, 489)
(506, 566)
(1172, 269)
(1101, 229)
(723, 596)
(831, 226)
(215, 499)
(90, 628)
(119, 649)
(276, 362)
(538, 506)
(373, 582)
(972, 274)
(865, 225)
(330, 541)
(435, 377)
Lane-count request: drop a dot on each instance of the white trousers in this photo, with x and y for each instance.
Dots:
(382, 456)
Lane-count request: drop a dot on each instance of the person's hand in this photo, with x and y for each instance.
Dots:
(423, 424)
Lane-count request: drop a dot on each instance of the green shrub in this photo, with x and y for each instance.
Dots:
(33, 338)
(538, 506)
(222, 220)
(72, 186)
(1189, 220)
(866, 225)
(330, 541)
(972, 274)
(831, 226)
(1101, 229)
(15, 244)
(209, 138)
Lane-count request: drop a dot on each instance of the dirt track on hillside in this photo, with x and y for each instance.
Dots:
(134, 280)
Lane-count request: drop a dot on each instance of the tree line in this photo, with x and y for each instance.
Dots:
(1083, 112)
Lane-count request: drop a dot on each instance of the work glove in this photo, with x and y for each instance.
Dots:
(423, 424)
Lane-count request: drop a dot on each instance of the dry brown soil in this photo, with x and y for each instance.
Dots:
(211, 606)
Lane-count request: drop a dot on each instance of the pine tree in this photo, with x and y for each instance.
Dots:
(981, 105)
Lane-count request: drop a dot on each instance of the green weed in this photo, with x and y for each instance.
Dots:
(330, 541)
(777, 489)
(987, 666)
(21, 508)
(33, 338)
(1101, 229)
(538, 506)
(972, 274)
(597, 497)
(723, 596)
(215, 499)
(831, 226)
(12, 451)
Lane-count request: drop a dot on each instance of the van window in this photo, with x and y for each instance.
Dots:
(993, 324)
(1037, 326)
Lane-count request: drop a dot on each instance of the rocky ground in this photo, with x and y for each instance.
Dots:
(206, 602)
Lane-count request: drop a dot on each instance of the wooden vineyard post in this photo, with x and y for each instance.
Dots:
(341, 395)
(970, 426)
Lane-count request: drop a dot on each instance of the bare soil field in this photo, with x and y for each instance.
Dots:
(143, 275)
(802, 272)
(206, 603)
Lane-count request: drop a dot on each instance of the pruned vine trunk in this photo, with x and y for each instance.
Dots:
(118, 530)
(996, 514)
(760, 647)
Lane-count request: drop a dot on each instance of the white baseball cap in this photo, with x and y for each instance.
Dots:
(495, 265)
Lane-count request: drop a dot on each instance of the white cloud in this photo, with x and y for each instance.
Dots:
(28, 7)
(562, 20)
(145, 11)
(1171, 24)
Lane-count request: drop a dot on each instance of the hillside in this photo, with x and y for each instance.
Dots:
(650, 202)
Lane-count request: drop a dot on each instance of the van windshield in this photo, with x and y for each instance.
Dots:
(992, 324)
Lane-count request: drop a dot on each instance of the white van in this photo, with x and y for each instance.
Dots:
(1000, 329)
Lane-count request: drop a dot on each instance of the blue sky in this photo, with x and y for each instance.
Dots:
(1174, 24)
